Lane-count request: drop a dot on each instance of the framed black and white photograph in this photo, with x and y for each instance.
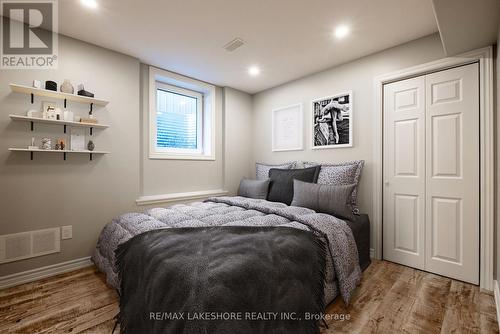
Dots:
(332, 121)
(287, 131)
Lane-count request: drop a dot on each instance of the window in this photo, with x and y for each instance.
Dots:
(178, 119)
(181, 117)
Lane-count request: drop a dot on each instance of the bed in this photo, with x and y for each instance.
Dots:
(343, 265)
(228, 211)
(220, 254)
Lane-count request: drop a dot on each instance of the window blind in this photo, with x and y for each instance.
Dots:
(176, 120)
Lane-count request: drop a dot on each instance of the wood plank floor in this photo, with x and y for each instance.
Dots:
(391, 299)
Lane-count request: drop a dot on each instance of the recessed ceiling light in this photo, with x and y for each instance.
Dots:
(342, 31)
(89, 3)
(254, 71)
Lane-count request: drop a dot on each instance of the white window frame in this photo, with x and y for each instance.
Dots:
(204, 93)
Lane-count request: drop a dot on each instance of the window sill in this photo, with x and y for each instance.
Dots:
(172, 156)
(176, 197)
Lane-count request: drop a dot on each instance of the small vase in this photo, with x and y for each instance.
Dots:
(67, 87)
(90, 145)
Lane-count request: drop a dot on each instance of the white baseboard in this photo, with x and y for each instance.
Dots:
(372, 253)
(496, 290)
(43, 272)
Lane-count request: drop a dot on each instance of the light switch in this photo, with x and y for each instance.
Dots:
(66, 232)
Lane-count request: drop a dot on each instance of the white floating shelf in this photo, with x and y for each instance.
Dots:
(13, 149)
(52, 121)
(56, 95)
(64, 152)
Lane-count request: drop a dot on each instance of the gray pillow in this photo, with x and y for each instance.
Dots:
(342, 173)
(253, 188)
(262, 170)
(330, 199)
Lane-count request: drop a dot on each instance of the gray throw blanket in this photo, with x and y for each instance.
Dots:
(342, 265)
(223, 279)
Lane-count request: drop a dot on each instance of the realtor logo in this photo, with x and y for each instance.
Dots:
(29, 34)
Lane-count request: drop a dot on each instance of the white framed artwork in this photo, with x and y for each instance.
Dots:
(332, 121)
(287, 128)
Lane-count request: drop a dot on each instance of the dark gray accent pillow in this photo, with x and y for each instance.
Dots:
(253, 188)
(330, 199)
(281, 188)
(262, 170)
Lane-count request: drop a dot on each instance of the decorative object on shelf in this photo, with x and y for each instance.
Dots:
(67, 87)
(51, 113)
(91, 145)
(51, 85)
(59, 114)
(46, 143)
(77, 140)
(332, 121)
(83, 92)
(68, 116)
(33, 146)
(34, 113)
(89, 120)
(37, 84)
(61, 145)
(48, 108)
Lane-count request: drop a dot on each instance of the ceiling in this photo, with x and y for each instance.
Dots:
(467, 25)
(287, 39)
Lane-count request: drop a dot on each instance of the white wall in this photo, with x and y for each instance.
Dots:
(49, 192)
(238, 138)
(357, 76)
(159, 176)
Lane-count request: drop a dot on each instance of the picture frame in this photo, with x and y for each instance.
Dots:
(332, 121)
(49, 110)
(77, 139)
(288, 128)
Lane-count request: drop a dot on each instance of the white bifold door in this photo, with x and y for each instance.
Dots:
(431, 173)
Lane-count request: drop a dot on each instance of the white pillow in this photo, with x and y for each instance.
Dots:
(262, 169)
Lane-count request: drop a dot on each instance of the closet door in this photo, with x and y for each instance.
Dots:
(452, 173)
(404, 172)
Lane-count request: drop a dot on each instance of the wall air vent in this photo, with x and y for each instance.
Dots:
(234, 44)
(24, 245)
